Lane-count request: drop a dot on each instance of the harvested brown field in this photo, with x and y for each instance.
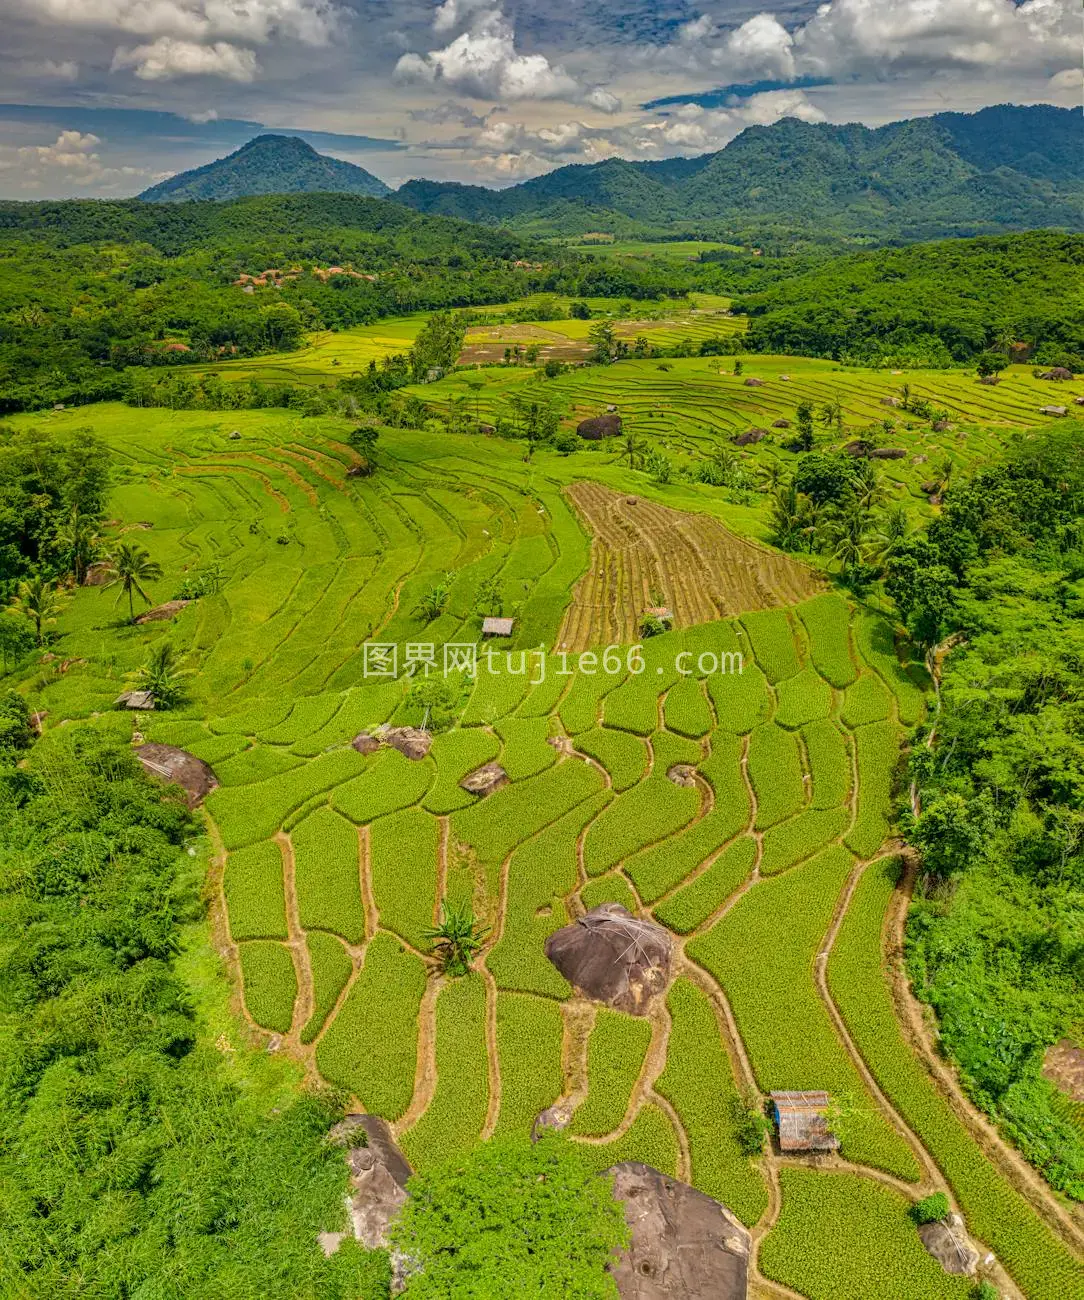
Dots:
(701, 569)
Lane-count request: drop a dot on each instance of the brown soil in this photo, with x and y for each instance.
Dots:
(702, 569)
(1064, 1067)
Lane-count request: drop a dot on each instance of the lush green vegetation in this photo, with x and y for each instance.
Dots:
(994, 942)
(388, 926)
(931, 304)
(135, 1156)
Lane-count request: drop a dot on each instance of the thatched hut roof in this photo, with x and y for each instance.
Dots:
(780, 424)
(613, 957)
(1053, 410)
(860, 447)
(178, 767)
(681, 1242)
(891, 401)
(802, 1120)
(753, 382)
(749, 436)
(599, 427)
(887, 453)
(1058, 373)
(498, 626)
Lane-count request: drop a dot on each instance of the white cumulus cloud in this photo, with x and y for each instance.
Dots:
(885, 38)
(484, 62)
(168, 57)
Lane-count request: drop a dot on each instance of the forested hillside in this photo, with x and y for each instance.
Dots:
(1003, 168)
(932, 303)
(89, 288)
(269, 164)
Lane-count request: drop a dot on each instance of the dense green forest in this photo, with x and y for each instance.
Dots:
(996, 936)
(931, 303)
(89, 288)
(269, 164)
(1003, 168)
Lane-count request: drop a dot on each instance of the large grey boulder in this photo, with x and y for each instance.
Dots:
(683, 1245)
(613, 957)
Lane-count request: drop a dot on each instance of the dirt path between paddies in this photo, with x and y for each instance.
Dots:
(296, 943)
(912, 1021)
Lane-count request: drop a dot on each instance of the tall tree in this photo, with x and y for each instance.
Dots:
(131, 566)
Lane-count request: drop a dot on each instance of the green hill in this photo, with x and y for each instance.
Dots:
(269, 164)
(1003, 168)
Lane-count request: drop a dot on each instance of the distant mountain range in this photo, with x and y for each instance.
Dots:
(1002, 168)
(269, 164)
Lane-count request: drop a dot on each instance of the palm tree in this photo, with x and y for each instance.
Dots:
(786, 517)
(457, 939)
(162, 676)
(41, 601)
(80, 543)
(131, 566)
(847, 537)
(895, 528)
(632, 450)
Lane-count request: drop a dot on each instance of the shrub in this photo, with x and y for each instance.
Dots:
(931, 1209)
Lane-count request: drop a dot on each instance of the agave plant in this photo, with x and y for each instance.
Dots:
(457, 939)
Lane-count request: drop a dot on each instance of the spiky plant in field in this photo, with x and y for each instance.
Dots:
(457, 939)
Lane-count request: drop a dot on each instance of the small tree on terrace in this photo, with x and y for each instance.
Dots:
(130, 566)
(804, 417)
(990, 363)
(79, 544)
(603, 342)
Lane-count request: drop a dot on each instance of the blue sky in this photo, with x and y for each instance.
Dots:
(107, 96)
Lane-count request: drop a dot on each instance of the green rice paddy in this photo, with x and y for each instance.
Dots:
(334, 864)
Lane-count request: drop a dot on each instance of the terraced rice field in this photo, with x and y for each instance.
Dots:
(768, 869)
(688, 409)
(645, 554)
